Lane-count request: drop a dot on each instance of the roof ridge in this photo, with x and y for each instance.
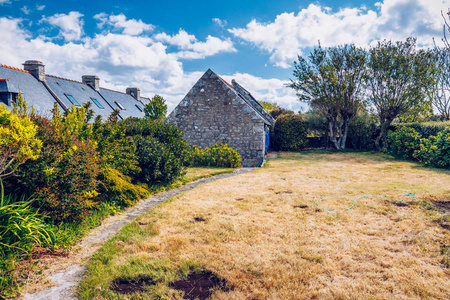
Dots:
(113, 90)
(65, 79)
(14, 68)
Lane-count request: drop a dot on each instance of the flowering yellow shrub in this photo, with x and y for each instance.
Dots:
(18, 141)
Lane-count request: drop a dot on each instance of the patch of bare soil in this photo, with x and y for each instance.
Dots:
(130, 286)
(442, 203)
(200, 285)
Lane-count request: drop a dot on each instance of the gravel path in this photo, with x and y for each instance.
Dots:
(72, 271)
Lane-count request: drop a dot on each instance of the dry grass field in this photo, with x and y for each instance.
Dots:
(262, 236)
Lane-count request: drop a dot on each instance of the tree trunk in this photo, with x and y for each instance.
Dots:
(383, 135)
(333, 133)
(344, 135)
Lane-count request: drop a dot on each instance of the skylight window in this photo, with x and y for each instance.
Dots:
(72, 100)
(140, 108)
(97, 103)
(119, 105)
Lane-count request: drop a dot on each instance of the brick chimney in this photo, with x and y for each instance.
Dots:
(92, 80)
(36, 67)
(134, 92)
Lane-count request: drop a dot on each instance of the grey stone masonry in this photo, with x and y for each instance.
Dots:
(213, 112)
(36, 67)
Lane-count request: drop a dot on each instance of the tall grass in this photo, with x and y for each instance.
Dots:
(21, 229)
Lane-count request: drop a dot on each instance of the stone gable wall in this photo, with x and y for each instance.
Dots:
(213, 113)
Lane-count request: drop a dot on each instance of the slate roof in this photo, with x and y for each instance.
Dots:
(81, 92)
(7, 86)
(33, 91)
(43, 95)
(129, 103)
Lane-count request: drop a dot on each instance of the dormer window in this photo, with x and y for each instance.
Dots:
(97, 103)
(72, 100)
(119, 105)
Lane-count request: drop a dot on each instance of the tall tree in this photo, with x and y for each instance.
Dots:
(156, 109)
(331, 80)
(398, 80)
(441, 92)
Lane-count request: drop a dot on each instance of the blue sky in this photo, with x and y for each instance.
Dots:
(165, 46)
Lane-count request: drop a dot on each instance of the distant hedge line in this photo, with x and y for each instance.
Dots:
(425, 129)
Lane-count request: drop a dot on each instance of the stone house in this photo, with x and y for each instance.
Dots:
(41, 91)
(214, 111)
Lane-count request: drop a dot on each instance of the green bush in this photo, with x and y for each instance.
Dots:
(117, 150)
(216, 156)
(403, 142)
(435, 150)
(290, 133)
(114, 187)
(63, 178)
(161, 150)
(425, 129)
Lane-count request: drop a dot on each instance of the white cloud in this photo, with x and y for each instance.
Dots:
(221, 23)
(5, 2)
(271, 90)
(120, 60)
(290, 33)
(120, 22)
(40, 7)
(70, 25)
(194, 49)
(25, 10)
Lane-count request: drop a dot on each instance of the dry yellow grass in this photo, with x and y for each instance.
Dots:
(263, 234)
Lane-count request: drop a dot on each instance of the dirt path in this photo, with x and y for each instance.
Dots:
(64, 273)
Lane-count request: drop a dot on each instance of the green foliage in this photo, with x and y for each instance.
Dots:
(425, 129)
(330, 80)
(216, 156)
(18, 141)
(403, 142)
(156, 109)
(114, 187)
(398, 80)
(363, 131)
(63, 178)
(435, 150)
(290, 133)
(280, 111)
(21, 227)
(269, 106)
(117, 150)
(160, 150)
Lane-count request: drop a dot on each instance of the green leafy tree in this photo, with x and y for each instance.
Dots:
(156, 109)
(330, 80)
(398, 80)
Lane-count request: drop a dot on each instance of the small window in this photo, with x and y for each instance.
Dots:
(140, 108)
(119, 105)
(97, 103)
(72, 100)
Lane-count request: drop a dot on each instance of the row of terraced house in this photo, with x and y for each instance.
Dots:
(213, 111)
